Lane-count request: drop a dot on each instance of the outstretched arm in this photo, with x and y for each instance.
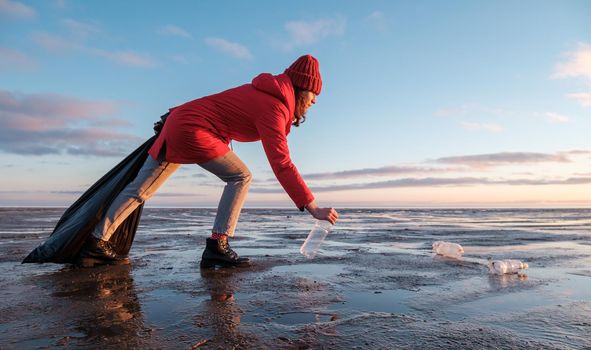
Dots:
(274, 139)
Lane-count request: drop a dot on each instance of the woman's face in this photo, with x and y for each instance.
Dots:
(303, 102)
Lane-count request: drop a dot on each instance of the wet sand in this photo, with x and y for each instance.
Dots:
(375, 285)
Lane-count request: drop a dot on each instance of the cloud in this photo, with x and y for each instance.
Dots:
(179, 59)
(462, 164)
(39, 124)
(382, 171)
(76, 193)
(579, 152)
(482, 126)
(584, 98)
(436, 182)
(81, 29)
(407, 182)
(14, 9)
(179, 194)
(377, 20)
(577, 65)
(452, 111)
(128, 58)
(173, 30)
(436, 179)
(470, 110)
(556, 118)
(304, 33)
(503, 158)
(53, 43)
(580, 180)
(233, 49)
(58, 44)
(10, 59)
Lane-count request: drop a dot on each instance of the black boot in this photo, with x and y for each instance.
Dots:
(218, 252)
(99, 252)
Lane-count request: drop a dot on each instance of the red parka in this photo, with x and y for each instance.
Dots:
(200, 130)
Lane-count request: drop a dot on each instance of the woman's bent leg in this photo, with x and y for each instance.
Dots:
(230, 169)
(150, 177)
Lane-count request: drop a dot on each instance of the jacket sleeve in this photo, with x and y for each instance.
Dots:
(271, 128)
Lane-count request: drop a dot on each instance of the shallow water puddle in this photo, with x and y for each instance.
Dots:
(572, 288)
(537, 246)
(264, 251)
(398, 248)
(290, 318)
(311, 270)
(166, 308)
(393, 301)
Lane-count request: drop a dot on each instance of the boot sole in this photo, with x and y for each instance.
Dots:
(210, 264)
(92, 262)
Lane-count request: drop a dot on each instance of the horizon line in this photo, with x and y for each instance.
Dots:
(340, 208)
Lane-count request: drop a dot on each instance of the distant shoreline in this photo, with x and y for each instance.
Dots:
(338, 207)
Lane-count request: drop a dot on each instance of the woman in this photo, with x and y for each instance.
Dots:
(200, 131)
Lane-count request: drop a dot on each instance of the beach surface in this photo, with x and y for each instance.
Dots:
(374, 285)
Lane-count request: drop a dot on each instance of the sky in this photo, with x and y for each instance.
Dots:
(424, 103)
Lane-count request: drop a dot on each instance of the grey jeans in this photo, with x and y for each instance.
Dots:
(229, 168)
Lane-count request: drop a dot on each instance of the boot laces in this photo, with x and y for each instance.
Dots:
(225, 247)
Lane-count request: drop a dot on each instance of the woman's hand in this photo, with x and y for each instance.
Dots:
(328, 214)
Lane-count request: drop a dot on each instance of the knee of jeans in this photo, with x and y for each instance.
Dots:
(247, 177)
(243, 178)
(142, 197)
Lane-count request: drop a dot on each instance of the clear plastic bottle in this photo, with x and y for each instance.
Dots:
(315, 238)
(509, 266)
(448, 249)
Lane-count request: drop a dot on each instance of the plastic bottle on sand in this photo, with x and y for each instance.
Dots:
(509, 266)
(315, 238)
(448, 249)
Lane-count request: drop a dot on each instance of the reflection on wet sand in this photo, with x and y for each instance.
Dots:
(98, 307)
(221, 312)
(507, 280)
(378, 279)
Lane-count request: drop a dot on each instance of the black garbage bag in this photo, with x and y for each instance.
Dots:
(79, 220)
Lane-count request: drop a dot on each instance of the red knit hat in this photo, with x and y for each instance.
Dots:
(305, 74)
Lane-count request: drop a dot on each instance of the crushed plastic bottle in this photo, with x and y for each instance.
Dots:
(508, 266)
(315, 238)
(448, 249)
